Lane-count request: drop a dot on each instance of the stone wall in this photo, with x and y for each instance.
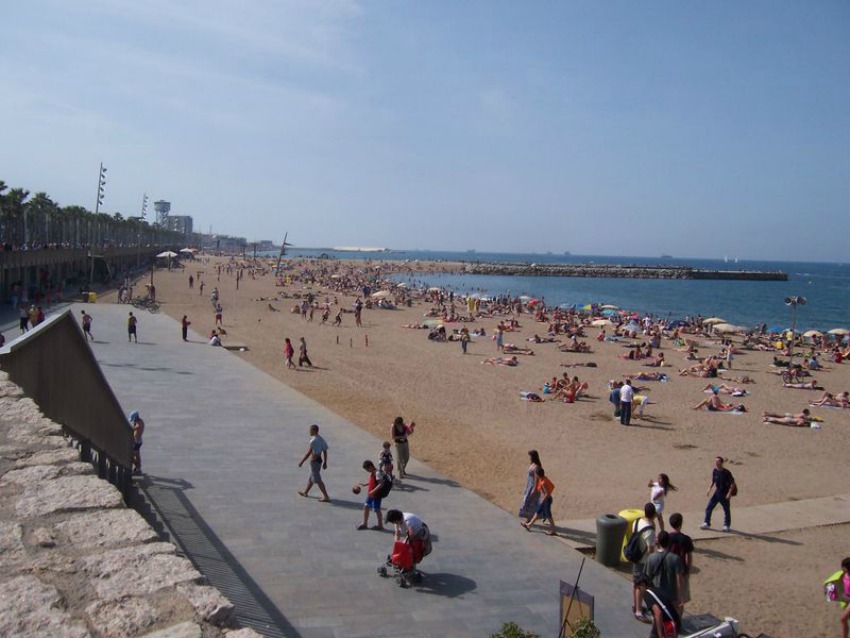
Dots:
(74, 560)
(619, 272)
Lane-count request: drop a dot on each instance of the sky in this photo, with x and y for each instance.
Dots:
(696, 129)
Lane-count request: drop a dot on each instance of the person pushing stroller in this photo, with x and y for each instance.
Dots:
(412, 544)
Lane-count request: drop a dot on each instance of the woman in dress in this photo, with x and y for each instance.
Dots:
(531, 497)
(659, 488)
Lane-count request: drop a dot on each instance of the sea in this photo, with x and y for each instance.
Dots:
(825, 287)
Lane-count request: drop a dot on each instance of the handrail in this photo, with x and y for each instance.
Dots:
(55, 367)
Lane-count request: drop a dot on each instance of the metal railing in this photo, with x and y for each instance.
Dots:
(55, 367)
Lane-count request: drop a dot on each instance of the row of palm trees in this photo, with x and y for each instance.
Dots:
(39, 222)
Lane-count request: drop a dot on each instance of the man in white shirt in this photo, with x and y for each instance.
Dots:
(627, 395)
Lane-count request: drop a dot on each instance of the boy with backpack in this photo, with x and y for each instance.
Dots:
(377, 487)
(636, 551)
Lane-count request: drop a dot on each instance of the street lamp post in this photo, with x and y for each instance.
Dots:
(794, 302)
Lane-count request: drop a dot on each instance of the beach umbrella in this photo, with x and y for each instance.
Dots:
(727, 327)
(402, 285)
(381, 294)
(839, 331)
(632, 327)
(812, 333)
(433, 289)
(187, 250)
(601, 323)
(524, 298)
(533, 303)
(713, 320)
(608, 306)
(609, 311)
(167, 254)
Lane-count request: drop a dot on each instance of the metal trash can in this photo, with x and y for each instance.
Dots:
(610, 530)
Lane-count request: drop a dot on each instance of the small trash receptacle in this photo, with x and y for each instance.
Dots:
(92, 297)
(631, 515)
(610, 530)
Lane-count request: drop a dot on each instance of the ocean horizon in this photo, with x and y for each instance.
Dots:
(824, 285)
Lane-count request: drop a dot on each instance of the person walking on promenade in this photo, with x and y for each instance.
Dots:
(531, 497)
(373, 500)
(317, 452)
(131, 328)
(645, 527)
(138, 426)
(288, 353)
(544, 488)
(399, 433)
(627, 395)
(663, 577)
(723, 484)
(184, 326)
(302, 354)
(86, 325)
(683, 546)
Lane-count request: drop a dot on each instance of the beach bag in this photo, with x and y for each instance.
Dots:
(385, 485)
(636, 547)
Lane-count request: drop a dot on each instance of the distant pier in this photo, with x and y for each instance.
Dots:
(620, 272)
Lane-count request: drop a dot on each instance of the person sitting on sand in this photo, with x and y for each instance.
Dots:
(501, 361)
(809, 385)
(801, 420)
(830, 401)
(714, 404)
(725, 389)
(656, 362)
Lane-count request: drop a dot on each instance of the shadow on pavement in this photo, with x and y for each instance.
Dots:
(164, 505)
(448, 585)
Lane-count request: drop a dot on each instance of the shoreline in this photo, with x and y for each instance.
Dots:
(473, 427)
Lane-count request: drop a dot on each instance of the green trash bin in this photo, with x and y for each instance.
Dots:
(610, 530)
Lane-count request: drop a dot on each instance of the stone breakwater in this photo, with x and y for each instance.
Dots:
(75, 562)
(619, 272)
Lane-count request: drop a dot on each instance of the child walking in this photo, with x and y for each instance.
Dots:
(544, 510)
(660, 487)
(372, 502)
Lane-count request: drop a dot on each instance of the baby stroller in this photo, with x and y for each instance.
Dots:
(407, 554)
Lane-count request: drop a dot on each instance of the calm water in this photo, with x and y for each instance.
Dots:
(825, 286)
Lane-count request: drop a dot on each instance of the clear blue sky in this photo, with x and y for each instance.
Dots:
(624, 128)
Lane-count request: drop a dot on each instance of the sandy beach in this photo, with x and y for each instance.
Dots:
(473, 426)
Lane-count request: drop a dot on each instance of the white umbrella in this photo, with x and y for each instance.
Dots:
(433, 289)
(402, 285)
(608, 306)
(601, 323)
(713, 320)
(812, 333)
(187, 250)
(839, 331)
(167, 253)
(381, 294)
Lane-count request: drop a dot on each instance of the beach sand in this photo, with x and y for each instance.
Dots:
(473, 427)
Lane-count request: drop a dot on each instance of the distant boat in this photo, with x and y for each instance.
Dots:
(666, 256)
(567, 253)
(471, 250)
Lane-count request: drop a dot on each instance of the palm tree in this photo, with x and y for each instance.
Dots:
(39, 211)
(13, 205)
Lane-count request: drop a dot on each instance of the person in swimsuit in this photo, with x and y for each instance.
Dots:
(138, 426)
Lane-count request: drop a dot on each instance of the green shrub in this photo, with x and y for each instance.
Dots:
(512, 630)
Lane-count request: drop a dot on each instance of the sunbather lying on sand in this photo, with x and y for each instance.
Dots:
(537, 339)
(714, 404)
(725, 389)
(743, 379)
(801, 420)
(809, 385)
(533, 397)
(512, 349)
(501, 361)
(648, 376)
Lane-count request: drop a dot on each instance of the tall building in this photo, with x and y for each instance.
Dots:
(181, 224)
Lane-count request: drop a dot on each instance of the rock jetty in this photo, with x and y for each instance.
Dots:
(619, 272)
(75, 562)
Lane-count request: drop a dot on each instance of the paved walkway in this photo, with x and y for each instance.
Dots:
(221, 449)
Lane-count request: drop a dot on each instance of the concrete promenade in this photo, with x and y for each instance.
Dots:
(221, 449)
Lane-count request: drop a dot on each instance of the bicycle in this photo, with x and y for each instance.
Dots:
(144, 303)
